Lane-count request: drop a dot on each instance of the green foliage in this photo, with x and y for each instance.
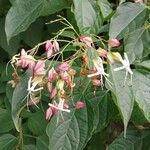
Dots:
(116, 112)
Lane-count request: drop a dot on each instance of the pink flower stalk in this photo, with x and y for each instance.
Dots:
(96, 82)
(39, 68)
(86, 40)
(113, 42)
(26, 60)
(56, 46)
(63, 67)
(49, 48)
(80, 105)
(52, 75)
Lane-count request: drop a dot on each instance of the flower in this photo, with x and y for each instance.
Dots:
(80, 105)
(56, 46)
(51, 111)
(96, 82)
(52, 75)
(126, 66)
(63, 67)
(86, 40)
(25, 60)
(39, 68)
(113, 42)
(60, 106)
(53, 92)
(138, 1)
(98, 64)
(49, 48)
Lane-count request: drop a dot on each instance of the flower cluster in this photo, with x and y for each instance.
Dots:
(57, 80)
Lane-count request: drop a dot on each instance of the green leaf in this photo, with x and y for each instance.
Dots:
(6, 121)
(7, 142)
(126, 14)
(133, 141)
(13, 45)
(134, 44)
(123, 93)
(105, 8)
(34, 32)
(28, 147)
(86, 16)
(19, 100)
(145, 64)
(53, 6)
(21, 15)
(42, 142)
(37, 123)
(141, 89)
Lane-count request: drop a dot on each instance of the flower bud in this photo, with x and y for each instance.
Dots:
(96, 82)
(86, 40)
(80, 105)
(56, 46)
(53, 93)
(49, 48)
(39, 68)
(60, 84)
(52, 75)
(63, 67)
(113, 42)
(49, 113)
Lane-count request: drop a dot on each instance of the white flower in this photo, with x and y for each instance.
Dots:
(126, 65)
(98, 64)
(60, 106)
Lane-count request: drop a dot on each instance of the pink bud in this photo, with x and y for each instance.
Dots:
(48, 45)
(63, 67)
(138, 1)
(49, 113)
(53, 93)
(80, 105)
(113, 42)
(39, 68)
(96, 82)
(49, 48)
(86, 40)
(64, 76)
(26, 60)
(56, 46)
(52, 75)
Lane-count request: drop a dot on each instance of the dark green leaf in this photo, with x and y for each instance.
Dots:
(105, 8)
(134, 44)
(21, 15)
(29, 147)
(6, 121)
(19, 100)
(141, 88)
(37, 123)
(86, 16)
(7, 142)
(133, 141)
(42, 142)
(126, 14)
(124, 95)
(53, 6)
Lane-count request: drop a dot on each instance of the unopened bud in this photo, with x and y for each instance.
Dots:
(63, 67)
(80, 105)
(113, 42)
